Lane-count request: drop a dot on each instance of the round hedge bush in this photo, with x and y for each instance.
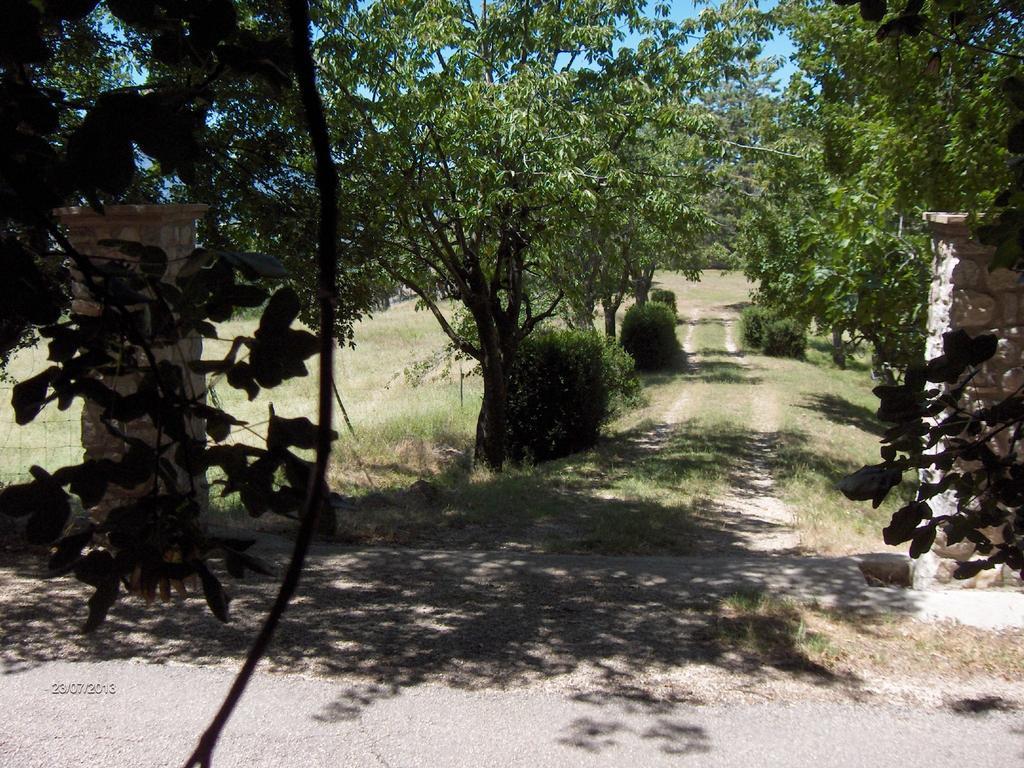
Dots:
(666, 297)
(564, 385)
(784, 338)
(753, 320)
(649, 335)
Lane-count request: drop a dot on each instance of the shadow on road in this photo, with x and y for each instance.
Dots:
(391, 619)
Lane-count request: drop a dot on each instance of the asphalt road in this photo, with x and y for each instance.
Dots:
(155, 713)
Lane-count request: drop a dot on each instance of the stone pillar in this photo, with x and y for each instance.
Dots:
(171, 228)
(965, 294)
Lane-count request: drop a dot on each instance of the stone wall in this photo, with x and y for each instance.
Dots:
(965, 294)
(171, 228)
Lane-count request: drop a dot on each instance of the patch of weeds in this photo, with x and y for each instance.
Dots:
(769, 631)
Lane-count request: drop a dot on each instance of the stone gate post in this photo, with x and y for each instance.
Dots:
(171, 228)
(965, 294)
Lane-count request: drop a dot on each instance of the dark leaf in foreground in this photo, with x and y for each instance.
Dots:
(29, 396)
(100, 602)
(68, 550)
(871, 483)
(213, 591)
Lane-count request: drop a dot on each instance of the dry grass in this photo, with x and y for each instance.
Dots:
(770, 631)
(623, 496)
(52, 440)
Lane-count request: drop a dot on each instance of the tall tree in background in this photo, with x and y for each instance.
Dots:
(829, 252)
(485, 128)
(890, 119)
(645, 212)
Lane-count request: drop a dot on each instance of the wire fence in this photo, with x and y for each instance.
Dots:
(52, 440)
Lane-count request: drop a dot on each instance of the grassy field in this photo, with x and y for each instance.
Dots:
(644, 488)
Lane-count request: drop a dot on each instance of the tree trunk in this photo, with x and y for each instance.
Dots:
(582, 317)
(610, 308)
(642, 285)
(838, 351)
(491, 424)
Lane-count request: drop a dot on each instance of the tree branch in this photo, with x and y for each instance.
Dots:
(452, 334)
(530, 324)
(327, 187)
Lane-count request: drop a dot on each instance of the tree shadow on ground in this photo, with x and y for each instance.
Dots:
(841, 411)
(387, 619)
(638, 493)
(594, 735)
(853, 361)
(738, 306)
(719, 371)
(680, 365)
(791, 458)
(381, 620)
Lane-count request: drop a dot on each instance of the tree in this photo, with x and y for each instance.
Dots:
(837, 256)
(744, 111)
(884, 134)
(973, 449)
(485, 129)
(645, 212)
(904, 112)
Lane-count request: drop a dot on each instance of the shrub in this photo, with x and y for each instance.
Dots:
(624, 387)
(649, 335)
(668, 298)
(784, 338)
(564, 386)
(753, 320)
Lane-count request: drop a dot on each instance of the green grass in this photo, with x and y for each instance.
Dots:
(404, 398)
(772, 630)
(829, 430)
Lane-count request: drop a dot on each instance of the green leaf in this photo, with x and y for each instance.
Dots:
(1008, 253)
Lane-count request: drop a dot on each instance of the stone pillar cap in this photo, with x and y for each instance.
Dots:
(944, 217)
(165, 211)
